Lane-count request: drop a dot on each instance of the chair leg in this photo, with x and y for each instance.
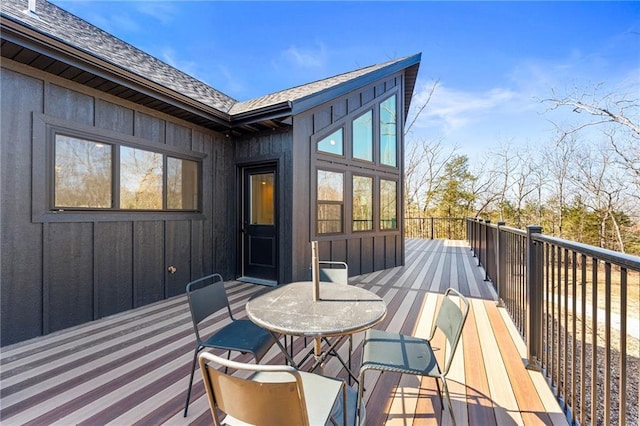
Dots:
(193, 369)
(446, 392)
(439, 393)
(359, 402)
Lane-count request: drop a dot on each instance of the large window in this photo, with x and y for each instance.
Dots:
(362, 203)
(91, 174)
(388, 204)
(388, 132)
(363, 137)
(330, 191)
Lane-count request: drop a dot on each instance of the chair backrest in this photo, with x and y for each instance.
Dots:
(278, 401)
(450, 320)
(333, 272)
(206, 296)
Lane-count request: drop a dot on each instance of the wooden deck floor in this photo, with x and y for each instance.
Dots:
(133, 368)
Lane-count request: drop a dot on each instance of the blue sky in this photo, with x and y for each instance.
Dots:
(493, 60)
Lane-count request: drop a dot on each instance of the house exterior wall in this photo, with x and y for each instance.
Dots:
(64, 269)
(271, 147)
(364, 251)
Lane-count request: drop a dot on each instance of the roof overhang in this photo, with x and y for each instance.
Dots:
(127, 85)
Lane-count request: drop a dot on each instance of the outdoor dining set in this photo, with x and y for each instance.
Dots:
(324, 311)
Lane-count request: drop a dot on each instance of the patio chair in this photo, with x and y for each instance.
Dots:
(207, 296)
(398, 353)
(266, 395)
(334, 272)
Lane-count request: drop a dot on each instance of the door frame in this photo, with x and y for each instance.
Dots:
(272, 165)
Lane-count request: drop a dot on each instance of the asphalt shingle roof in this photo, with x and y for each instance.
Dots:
(74, 32)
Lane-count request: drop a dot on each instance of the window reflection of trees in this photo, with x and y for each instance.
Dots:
(82, 173)
(388, 130)
(330, 190)
(388, 204)
(362, 203)
(140, 179)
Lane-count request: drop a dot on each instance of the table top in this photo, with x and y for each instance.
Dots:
(290, 309)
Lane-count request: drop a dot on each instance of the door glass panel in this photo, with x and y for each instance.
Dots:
(262, 206)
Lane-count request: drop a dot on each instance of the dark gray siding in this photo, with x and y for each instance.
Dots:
(273, 147)
(363, 251)
(59, 273)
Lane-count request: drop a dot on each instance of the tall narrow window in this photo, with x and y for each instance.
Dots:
(388, 204)
(330, 190)
(182, 184)
(82, 173)
(140, 179)
(388, 132)
(362, 203)
(363, 137)
(332, 144)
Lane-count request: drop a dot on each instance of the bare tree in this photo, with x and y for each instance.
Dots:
(617, 114)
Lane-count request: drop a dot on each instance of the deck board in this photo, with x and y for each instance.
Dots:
(133, 367)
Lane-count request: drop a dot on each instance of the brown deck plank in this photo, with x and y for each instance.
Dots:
(133, 367)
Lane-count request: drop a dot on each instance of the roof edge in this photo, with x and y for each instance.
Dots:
(310, 101)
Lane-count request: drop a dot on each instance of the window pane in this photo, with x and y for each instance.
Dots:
(330, 201)
(332, 143)
(182, 184)
(330, 186)
(329, 218)
(363, 137)
(388, 203)
(82, 173)
(362, 203)
(388, 130)
(262, 206)
(140, 179)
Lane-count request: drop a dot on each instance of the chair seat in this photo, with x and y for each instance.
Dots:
(242, 336)
(316, 390)
(398, 353)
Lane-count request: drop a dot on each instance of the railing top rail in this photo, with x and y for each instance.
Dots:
(616, 258)
(502, 227)
(517, 231)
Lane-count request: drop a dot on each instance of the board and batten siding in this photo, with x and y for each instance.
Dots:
(364, 252)
(271, 147)
(59, 273)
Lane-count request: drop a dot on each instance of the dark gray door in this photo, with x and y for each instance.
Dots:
(259, 240)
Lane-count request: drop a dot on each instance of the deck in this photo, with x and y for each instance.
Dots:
(133, 368)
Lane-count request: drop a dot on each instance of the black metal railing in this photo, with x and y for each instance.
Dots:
(577, 308)
(433, 228)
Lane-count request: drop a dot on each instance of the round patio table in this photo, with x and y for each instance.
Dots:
(340, 311)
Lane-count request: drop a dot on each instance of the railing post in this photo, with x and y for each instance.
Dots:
(533, 326)
(486, 249)
(500, 264)
(432, 229)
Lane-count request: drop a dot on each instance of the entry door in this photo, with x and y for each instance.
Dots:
(259, 240)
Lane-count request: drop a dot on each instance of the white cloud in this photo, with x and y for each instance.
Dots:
(299, 57)
(161, 11)
(452, 109)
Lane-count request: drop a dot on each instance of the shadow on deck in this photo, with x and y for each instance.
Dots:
(133, 368)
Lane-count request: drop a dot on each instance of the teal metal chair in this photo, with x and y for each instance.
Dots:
(207, 296)
(274, 395)
(398, 353)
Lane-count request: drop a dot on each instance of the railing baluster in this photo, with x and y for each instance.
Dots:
(607, 343)
(622, 394)
(583, 339)
(574, 346)
(594, 340)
